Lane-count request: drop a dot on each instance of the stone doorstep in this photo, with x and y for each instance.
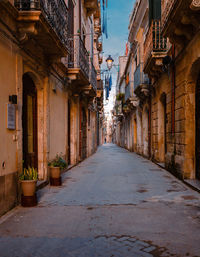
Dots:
(42, 183)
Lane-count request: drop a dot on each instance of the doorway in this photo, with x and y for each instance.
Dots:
(69, 133)
(197, 116)
(84, 134)
(162, 127)
(29, 123)
(135, 135)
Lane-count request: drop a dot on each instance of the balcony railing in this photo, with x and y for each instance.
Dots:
(93, 76)
(78, 55)
(154, 42)
(139, 77)
(55, 12)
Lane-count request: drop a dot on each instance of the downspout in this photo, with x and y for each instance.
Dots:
(173, 87)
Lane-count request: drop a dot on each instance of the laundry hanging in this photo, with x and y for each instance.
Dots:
(107, 87)
(110, 82)
(105, 18)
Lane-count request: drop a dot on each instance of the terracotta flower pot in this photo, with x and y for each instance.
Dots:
(55, 172)
(28, 187)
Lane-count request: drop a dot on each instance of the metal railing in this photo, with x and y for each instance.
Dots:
(78, 55)
(139, 77)
(93, 76)
(55, 12)
(154, 42)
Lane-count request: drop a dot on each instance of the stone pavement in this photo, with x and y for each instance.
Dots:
(115, 203)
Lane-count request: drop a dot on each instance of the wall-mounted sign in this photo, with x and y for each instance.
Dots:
(11, 116)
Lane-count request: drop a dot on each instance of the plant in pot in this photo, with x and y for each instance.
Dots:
(28, 179)
(55, 167)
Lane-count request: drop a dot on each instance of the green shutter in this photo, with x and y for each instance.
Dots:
(154, 10)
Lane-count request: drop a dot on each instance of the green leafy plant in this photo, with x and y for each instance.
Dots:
(29, 173)
(120, 97)
(58, 161)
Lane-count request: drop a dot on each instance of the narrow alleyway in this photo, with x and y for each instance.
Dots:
(115, 203)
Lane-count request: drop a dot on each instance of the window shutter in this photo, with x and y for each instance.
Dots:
(154, 10)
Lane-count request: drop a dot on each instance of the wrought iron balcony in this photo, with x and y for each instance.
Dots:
(55, 12)
(93, 76)
(154, 44)
(78, 57)
(139, 77)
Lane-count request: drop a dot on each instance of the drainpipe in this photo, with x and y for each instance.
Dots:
(173, 86)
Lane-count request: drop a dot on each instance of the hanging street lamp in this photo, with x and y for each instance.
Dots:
(109, 62)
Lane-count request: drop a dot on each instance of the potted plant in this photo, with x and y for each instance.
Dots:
(28, 179)
(120, 97)
(55, 166)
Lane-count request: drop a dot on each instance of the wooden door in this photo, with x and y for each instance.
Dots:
(29, 123)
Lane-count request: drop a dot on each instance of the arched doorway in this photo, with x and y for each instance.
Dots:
(197, 117)
(69, 133)
(162, 127)
(84, 134)
(29, 123)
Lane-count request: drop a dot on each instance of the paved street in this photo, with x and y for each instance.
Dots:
(113, 204)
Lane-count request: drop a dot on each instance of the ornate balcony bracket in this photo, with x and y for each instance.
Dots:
(27, 24)
(142, 91)
(195, 5)
(134, 101)
(154, 67)
(91, 6)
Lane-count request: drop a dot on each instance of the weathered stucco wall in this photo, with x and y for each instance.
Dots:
(58, 121)
(8, 144)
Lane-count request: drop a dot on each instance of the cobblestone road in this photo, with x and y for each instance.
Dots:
(115, 203)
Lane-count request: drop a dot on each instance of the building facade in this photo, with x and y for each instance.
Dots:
(159, 118)
(49, 52)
